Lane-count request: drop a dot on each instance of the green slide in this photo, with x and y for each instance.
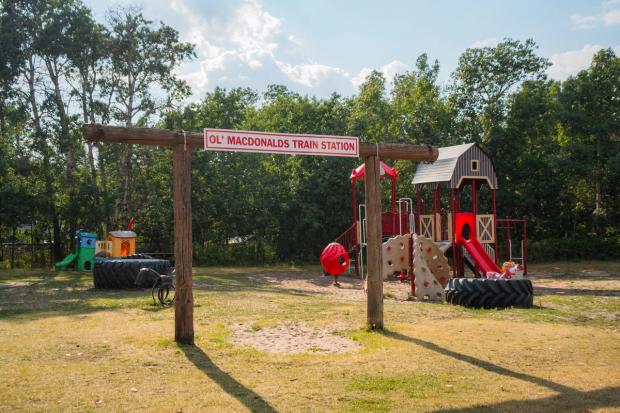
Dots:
(61, 265)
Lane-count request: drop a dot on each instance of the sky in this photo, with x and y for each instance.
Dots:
(317, 47)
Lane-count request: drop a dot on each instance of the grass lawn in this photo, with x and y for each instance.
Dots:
(65, 346)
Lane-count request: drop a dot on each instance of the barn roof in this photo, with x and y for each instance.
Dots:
(450, 167)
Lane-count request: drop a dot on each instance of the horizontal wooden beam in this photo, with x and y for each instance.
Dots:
(400, 151)
(140, 136)
(168, 138)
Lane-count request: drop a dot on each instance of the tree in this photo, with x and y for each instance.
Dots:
(483, 81)
(371, 111)
(420, 114)
(87, 51)
(143, 57)
(531, 170)
(592, 121)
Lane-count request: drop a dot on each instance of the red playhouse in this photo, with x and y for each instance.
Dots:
(462, 217)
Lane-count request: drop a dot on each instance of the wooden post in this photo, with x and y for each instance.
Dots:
(182, 202)
(373, 244)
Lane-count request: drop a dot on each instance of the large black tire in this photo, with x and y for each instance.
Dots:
(137, 257)
(121, 274)
(487, 293)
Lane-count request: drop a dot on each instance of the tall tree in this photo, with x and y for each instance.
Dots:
(87, 46)
(29, 16)
(420, 114)
(371, 111)
(592, 120)
(144, 57)
(483, 81)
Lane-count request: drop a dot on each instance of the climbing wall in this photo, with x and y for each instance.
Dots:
(396, 253)
(430, 268)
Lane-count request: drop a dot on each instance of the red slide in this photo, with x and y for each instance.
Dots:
(479, 255)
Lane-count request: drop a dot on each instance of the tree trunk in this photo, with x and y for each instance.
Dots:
(598, 176)
(50, 194)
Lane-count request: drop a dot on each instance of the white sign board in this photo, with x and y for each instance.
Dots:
(285, 143)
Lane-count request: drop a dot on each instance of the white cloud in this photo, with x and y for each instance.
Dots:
(610, 16)
(569, 63)
(393, 68)
(389, 71)
(488, 42)
(297, 41)
(247, 36)
(253, 30)
(584, 22)
(311, 74)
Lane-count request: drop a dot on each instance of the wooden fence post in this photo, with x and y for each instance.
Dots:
(182, 204)
(374, 234)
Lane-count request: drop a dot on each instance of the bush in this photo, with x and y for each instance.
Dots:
(576, 248)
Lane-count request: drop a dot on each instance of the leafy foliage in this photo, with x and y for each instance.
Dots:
(555, 144)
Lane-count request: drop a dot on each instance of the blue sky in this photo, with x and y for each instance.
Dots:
(317, 47)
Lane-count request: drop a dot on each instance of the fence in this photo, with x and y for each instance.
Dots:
(25, 255)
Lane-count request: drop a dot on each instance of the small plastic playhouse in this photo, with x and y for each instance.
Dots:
(121, 243)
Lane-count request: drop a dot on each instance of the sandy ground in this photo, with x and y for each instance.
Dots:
(351, 288)
(598, 283)
(293, 339)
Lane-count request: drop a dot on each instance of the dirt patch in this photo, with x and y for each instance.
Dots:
(293, 339)
(602, 285)
(351, 288)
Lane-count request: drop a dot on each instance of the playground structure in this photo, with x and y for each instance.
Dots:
(115, 264)
(416, 239)
(118, 244)
(397, 221)
(83, 256)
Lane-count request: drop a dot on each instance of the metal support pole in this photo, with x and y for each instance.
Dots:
(493, 195)
(524, 246)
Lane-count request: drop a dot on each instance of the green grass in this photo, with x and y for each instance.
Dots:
(68, 347)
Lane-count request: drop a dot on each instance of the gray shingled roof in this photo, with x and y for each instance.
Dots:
(443, 168)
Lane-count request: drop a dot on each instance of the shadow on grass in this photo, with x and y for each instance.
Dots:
(247, 397)
(575, 291)
(63, 293)
(576, 401)
(254, 282)
(567, 399)
(66, 293)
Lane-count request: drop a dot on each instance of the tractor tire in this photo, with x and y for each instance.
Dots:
(121, 273)
(137, 257)
(488, 293)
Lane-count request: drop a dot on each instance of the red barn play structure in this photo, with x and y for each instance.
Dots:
(455, 206)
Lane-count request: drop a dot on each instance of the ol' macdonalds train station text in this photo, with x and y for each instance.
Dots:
(264, 142)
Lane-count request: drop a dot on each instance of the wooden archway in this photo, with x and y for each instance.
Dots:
(182, 145)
